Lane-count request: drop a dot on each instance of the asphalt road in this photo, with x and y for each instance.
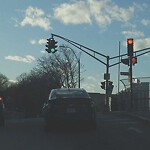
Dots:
(114, 132)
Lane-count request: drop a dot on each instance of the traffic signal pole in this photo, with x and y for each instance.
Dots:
(107, 75)
(131, 83)
(130, 43)
(107, 80)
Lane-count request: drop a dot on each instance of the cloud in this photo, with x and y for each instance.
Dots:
(142, 43)
(145, 22)
(16, 21)
(33, 42)
(91, 78)
(26, 59)
(43, 52)
(91, 84)
(36, 17)
(76, 13)
(133, 34)
(89, 87)
(102, 12)
(139, 43)
(13, 81)
(40, 42)
(106, 11)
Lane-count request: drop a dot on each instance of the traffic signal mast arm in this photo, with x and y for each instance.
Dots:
(135, 52)
(79, 46)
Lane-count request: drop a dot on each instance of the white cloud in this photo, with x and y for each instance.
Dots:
(145, 22)
(36, 17)
(106, 11)
(26, 59)
(76, 13)
(92, 83)
(89, 87)
(13, 81)
(40, 42)
(91, 78)
(16, 21)
(141, 43)
(102, 12)
(33, 42)
(133, 34)
(43, 52)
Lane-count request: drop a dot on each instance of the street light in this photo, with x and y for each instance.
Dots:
(78, 60)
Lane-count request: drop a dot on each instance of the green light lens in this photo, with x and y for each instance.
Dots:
(52, 50)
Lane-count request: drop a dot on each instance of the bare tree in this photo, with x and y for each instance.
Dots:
(62, 65)
(3, 81)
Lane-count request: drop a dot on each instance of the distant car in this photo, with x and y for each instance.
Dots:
(2, 121)
(71, 106)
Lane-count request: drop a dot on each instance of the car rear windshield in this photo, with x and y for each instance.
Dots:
(69, 94)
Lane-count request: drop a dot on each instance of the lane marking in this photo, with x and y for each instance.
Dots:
(135, 130)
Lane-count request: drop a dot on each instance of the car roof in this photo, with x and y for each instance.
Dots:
(69, 89)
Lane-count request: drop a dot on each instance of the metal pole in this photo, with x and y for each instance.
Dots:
(79, 72)
(119, 70)
(131, 85)
(107, 96)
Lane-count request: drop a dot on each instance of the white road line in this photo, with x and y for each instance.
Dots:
(135, 130)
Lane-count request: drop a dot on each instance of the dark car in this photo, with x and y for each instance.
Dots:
(67, 107)
(1, 113)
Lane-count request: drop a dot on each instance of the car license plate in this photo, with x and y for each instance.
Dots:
(71, 110)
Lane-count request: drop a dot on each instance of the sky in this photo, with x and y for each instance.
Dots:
(98, 24)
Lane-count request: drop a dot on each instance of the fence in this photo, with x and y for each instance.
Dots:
(141, 96)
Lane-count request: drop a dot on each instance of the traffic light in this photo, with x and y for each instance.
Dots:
(51, 45)
(48, 45)
(134, 60)
(130, 47)
(110, 84)
(103, 85)
(110, 87)
(125, 61)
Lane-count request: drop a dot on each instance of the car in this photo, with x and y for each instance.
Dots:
(69, 107)
(2, 120)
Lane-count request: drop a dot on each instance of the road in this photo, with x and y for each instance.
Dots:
(114, 132)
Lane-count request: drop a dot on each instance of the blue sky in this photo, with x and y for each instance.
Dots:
(97, 24)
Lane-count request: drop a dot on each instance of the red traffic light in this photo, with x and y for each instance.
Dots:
(134, 60)
(130, 47)
(130, 41)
